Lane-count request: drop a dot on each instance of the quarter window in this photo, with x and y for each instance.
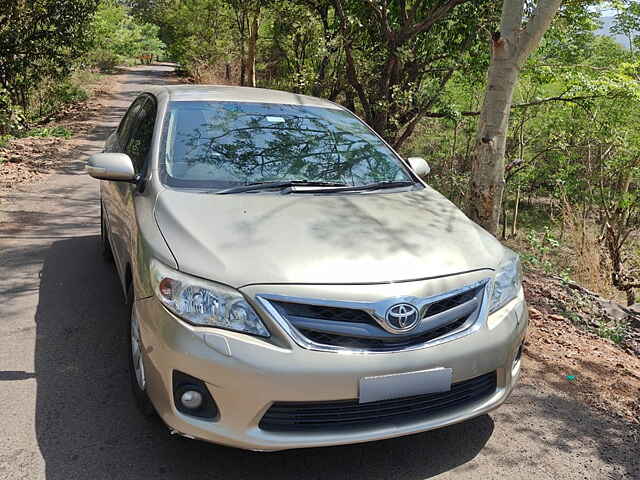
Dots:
(140, 142)
(129, 121)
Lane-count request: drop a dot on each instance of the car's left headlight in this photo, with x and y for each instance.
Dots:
(507, 282)
(204, 303)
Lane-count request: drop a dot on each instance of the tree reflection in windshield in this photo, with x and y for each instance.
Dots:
(229, 143)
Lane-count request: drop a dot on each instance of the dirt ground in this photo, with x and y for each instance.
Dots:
(592, 369)
(575, 414)
(26, 160)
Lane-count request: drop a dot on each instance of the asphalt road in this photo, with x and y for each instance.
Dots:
(67, 412)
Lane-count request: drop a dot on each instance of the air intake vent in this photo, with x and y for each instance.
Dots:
(345, 414)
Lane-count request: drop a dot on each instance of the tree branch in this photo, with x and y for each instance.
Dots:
(381, 12)
(521, 105)
(435, 14)
(351, 69)
(536, 27)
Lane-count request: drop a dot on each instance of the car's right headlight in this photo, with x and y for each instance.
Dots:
(507, 281)
(204, 303)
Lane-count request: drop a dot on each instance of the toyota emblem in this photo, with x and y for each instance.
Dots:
(402, 317)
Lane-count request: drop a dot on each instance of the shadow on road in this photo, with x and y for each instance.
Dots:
(87, 426)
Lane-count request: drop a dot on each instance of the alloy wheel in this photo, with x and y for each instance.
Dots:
(136, 350)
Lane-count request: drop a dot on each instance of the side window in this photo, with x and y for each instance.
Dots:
(129, 120)
(141, 136)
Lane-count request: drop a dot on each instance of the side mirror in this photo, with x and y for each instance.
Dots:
(111, 166)
(419, 166)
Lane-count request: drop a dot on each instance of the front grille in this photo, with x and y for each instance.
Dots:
(450, 302)
(357, 329)
(374, 344)
(349, 414)
(324, 312)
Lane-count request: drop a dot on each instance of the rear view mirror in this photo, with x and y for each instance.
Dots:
(111, 166)
(419, 166)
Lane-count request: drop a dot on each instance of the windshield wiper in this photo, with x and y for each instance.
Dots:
(379, 185)
(357, 188)
(256, 186)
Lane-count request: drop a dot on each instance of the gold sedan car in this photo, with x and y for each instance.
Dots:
(292, 281)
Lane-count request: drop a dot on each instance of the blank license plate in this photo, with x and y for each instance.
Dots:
(408, 384)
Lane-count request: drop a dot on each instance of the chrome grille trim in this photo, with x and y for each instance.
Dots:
(377, 311)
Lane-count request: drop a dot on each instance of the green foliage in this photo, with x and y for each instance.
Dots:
(4, 141)
(297, 50)
(44, 41)
(51, 96)
(541, 247)
(11, 115)
(40, 39)
(117, 37)
(404, 56)
(627, 21)
(572, 142)
(389, 62)
(104, 60)
(58, 131)
(199, 32)
(415, 71)
(616, 331)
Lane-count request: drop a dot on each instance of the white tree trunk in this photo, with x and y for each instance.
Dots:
(510, 48)
(254, 24)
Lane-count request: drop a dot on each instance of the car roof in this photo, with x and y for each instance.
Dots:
(225, 93)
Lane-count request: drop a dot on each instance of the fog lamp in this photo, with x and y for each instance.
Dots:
(191, 399)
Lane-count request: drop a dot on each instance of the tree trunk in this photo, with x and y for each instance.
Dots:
(631, 297)
(510, 48)
(514, 226)
(243, 64)
(251, 49)
(487, 167)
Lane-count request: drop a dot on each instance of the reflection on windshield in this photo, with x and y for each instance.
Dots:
(219, 144)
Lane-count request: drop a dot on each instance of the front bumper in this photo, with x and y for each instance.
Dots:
(245, 375)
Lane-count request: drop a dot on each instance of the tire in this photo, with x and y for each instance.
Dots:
(105, 246)
(137, 375)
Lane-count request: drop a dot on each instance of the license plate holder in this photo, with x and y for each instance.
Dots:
(386, 387)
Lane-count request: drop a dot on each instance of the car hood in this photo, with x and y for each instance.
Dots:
(243, 239)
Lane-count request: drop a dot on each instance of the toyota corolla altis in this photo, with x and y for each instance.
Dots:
(292, 281)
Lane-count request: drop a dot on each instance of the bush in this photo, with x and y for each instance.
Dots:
(69, 92)
(4, 141)
(119, 38)
(104, 60)
(41, 39)
(12, 117)
(52, 95)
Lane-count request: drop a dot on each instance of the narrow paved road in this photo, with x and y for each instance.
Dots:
(66, 407)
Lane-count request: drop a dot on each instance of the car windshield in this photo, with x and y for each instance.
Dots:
(225, 144)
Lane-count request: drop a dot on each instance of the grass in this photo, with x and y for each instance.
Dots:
(45, 132)
(614, 331)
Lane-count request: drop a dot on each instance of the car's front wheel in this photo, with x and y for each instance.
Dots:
(136, 363)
